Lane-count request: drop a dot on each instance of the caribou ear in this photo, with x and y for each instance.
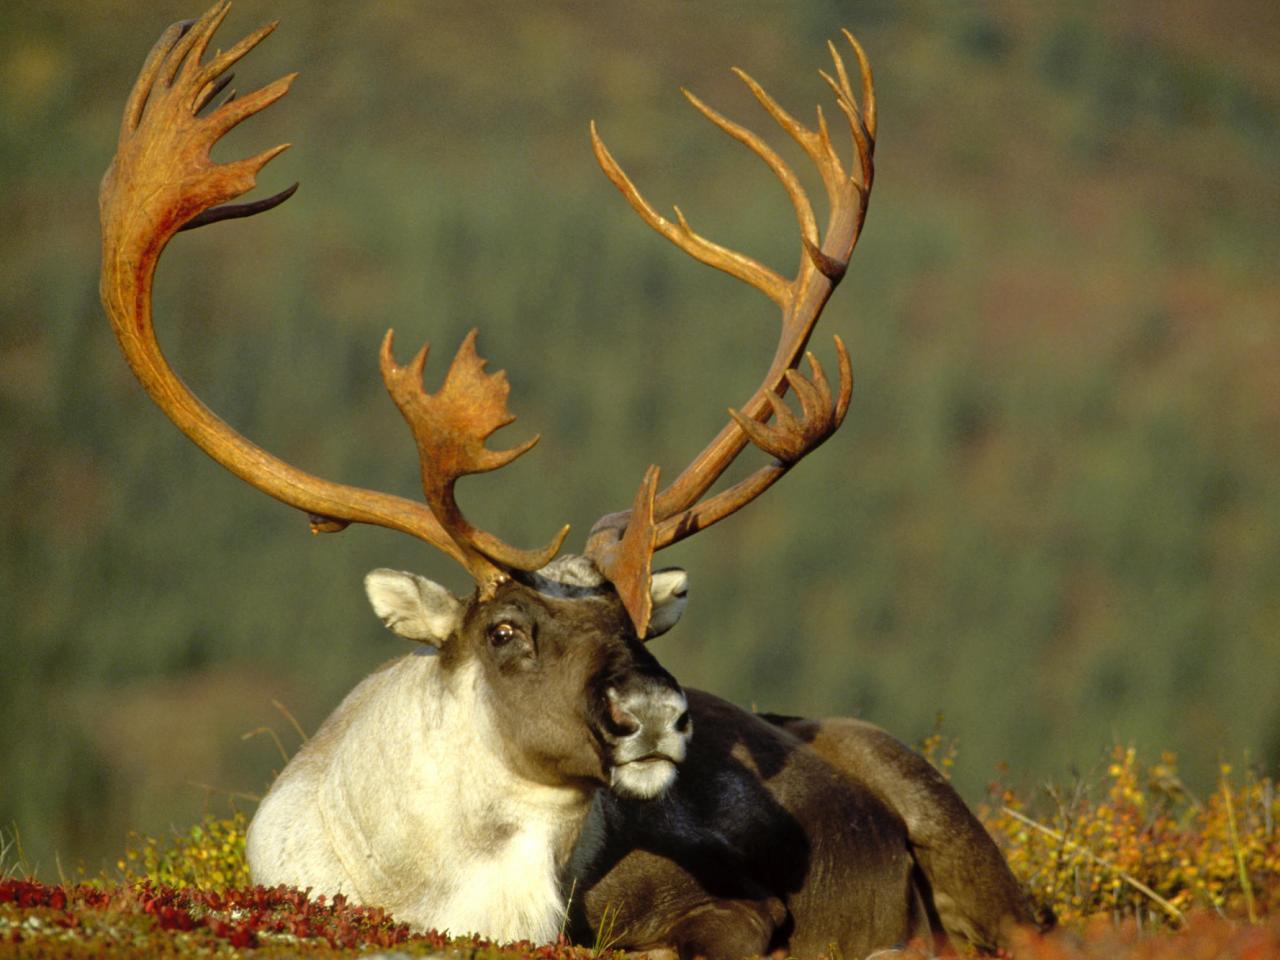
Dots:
(413, 606)
(669, 589)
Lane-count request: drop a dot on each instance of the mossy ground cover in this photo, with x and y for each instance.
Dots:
(1132, 863)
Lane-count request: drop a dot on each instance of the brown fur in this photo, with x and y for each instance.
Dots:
(970, 885)
(793, 835)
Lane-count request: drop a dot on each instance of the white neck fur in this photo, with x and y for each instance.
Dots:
(429, 821)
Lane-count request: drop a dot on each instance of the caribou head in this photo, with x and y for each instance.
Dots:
(571, 692)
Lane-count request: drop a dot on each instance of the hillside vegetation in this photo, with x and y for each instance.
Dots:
(1053, 513)
(1133, 866)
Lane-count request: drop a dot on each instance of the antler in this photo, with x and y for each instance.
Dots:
(162, 181)
(622, 544)
(450, 427)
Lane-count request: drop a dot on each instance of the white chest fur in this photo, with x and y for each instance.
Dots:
(427, 819)
(513, 894)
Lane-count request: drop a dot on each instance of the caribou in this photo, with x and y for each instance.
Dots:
(531, 768)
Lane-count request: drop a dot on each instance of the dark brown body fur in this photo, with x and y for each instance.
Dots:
(783, 833)
(968, 887)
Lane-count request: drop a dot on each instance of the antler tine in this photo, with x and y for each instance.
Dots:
(790, 182)
(222, 61)
(162, 180)
(213, 90)
(825, 159)
(187, 56)
(868, 84)
(679, 510)
(738, 265)
(141, 90)
(193, 35)
(850, 109)
(233, 211)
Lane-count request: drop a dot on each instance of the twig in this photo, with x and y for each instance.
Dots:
(284, 712)
(568, 905)
(1236, 849)
(229, 794)
(258, 731)
(1133, 881)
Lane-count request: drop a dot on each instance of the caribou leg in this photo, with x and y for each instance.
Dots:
(969, 885)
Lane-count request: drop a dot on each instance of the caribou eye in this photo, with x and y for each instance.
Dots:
(500, 634)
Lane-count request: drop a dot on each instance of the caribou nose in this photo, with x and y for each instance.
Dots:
(650, 719)
(623, 721)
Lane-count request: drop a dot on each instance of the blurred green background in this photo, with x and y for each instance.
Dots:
(1053, 514)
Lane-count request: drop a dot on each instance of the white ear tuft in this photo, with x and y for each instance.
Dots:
(413, 606)
(669, 589)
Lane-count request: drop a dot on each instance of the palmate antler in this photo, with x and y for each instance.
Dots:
(622, 544)
(450, 428)
(162, 181)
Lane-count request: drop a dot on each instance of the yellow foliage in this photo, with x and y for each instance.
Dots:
(1146, 847)
(209, 856)
(939, 750)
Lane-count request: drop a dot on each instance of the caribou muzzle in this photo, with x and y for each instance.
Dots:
(646, 734)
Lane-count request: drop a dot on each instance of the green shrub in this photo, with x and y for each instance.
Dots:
(209, 856)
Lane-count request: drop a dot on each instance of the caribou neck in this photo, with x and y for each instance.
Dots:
(421, 759)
